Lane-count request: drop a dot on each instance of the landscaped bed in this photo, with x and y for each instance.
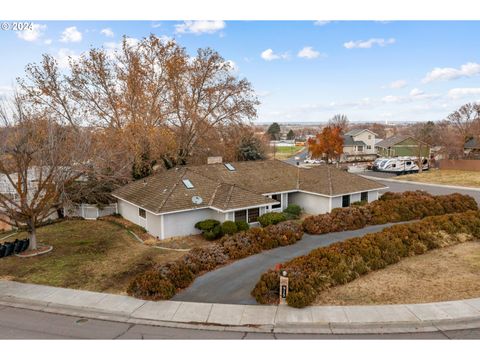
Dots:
(89, 255)
(343, 262)
(445, 274)
(445, 177)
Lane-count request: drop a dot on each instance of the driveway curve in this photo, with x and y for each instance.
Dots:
(233, 283)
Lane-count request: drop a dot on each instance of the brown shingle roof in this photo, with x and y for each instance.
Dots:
(392, 140)
(224, 189)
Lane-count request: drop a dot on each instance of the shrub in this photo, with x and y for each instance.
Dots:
(151, 286)
(391, 207)
(293, 209)
(342, 262)
(229, 228)
(271, 218)
(207, 225)
(211, 229)
(213, 234)
(242, 225)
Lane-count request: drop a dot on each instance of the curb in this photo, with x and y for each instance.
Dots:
(362, 319)
(421, 183)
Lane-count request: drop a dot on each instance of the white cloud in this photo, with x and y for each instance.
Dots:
(111, 47)
(392, 99)
(63, 57)
(466, 70)
(107, 32)
(200, 27)
(233, 65)
(48, 41)
(269, 55)
(458, 93)
(367, 44)
(308, 53)
(156, 25)
(33, 34)
(71, 34)
(321, 22)
(416, 92)
(398, 84)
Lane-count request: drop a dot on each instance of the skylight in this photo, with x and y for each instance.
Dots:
(188, 184)
(230, 167)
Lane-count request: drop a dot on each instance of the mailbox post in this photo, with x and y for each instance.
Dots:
(283, 287)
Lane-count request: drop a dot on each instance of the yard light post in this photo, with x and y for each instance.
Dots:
(283, 287)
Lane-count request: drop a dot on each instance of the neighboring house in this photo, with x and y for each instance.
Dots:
(402, 145)
(359, 144)
(471, 149)
(171, 202)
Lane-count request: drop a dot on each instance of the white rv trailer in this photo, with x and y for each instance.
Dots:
(400, 165)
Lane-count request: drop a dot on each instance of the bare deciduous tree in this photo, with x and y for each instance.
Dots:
(38, 159)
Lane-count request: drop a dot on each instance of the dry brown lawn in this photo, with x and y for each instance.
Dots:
(445, 177)
(89, 255)
(450, 273)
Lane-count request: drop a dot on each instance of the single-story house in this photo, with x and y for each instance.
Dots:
(359, 144)
(402, 145)
(471, 149)
(169, 203)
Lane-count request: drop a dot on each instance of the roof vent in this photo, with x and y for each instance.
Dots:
(197, 200)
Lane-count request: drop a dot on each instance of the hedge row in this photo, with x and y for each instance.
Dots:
(342, 262)
(161, 282)
(390, 208)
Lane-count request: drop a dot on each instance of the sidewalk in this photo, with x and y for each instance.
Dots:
(452, 315)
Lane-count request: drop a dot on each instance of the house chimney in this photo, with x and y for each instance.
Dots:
(214, 160)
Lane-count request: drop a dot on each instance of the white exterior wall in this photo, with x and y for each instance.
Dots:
(372, 195)
(355, 198)
(183, 223)
(310, 203)
(130, 212)
(154, 225)
(336, 202)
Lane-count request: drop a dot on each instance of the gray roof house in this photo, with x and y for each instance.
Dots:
(169, 203)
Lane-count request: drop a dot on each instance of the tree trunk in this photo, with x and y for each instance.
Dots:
(32, 235)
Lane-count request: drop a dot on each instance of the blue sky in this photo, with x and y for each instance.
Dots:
(301, 70)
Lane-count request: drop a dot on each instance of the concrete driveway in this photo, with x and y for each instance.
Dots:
(232, 284)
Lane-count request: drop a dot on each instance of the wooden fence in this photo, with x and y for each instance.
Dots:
(467, 165)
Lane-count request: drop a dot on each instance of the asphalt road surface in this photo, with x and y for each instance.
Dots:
(27, 324)
(432, 189)
(233, 283)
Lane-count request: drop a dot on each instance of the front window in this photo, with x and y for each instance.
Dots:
(360, 148)
(369, 147)
(253, 215)
(364, 196)
(241, 215)
(277, 197)
(250, 215)
(345, 200)
(142, 213)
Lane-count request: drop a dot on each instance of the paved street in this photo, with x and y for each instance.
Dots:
(432, 189)
(232, 284)
(27, 324)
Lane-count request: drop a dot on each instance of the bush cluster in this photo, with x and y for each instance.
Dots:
(291, 212)
(342, 262)
(391, 207)
(271, 218)
(213, 229)
(160, 282)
